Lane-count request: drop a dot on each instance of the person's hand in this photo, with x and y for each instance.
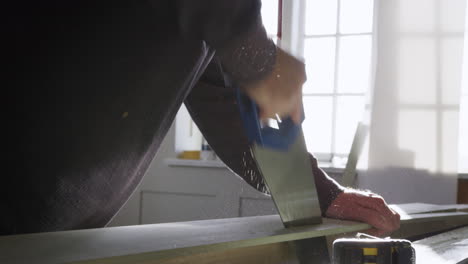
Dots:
(365, 207)
(280, 93)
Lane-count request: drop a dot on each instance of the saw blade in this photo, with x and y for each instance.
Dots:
(288, 175)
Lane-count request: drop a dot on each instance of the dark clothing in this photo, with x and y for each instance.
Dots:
(95, 88)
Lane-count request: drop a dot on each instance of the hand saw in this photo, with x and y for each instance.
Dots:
(282, 158)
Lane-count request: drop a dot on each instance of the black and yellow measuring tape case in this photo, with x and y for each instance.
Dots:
(373, 251)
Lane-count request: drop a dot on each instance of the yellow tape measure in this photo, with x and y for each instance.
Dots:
(372, 250)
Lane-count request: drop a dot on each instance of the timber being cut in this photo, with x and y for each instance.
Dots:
(418, 208)
(162, 242)
(138, 244)
(446, 248)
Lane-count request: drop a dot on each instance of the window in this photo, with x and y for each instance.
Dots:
(335, 39)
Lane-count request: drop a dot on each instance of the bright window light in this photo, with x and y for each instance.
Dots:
(320, 65)
(321, 17)
(338, 68)
(354, 64)
(356, 16)
(270, 16)
(317, 125)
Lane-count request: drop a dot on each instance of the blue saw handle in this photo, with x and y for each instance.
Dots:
(279, 139)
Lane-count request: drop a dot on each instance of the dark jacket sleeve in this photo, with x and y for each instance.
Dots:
(235, 30)
(327, 188)
(213, 108)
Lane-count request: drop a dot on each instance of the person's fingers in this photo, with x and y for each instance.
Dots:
(396, 220)
(377, 203)
(373, 201)
(280, 92)
(370, 216)
(395, 217)
(265, 114)
(384, 222)
(362, 207)
(292, 110)
(296, 114)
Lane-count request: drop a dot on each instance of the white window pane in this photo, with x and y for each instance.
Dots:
(356, 16)
(270, 16)
(321, 17)
(349, 111)
(354, 64)
(317, 125)
(319, 54)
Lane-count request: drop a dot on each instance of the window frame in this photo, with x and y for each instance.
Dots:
(293, 40)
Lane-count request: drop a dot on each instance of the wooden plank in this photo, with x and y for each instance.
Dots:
(152, 243)
(275, 253)
(449, 247)
(418, 208)
(420, 225)
(297, 252)
(136, 244)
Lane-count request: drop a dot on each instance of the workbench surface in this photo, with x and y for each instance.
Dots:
(446, 248)
(139, 244)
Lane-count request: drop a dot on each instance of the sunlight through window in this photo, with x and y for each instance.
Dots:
(337, 39)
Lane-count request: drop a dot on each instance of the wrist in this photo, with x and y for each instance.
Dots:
(250, 57)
